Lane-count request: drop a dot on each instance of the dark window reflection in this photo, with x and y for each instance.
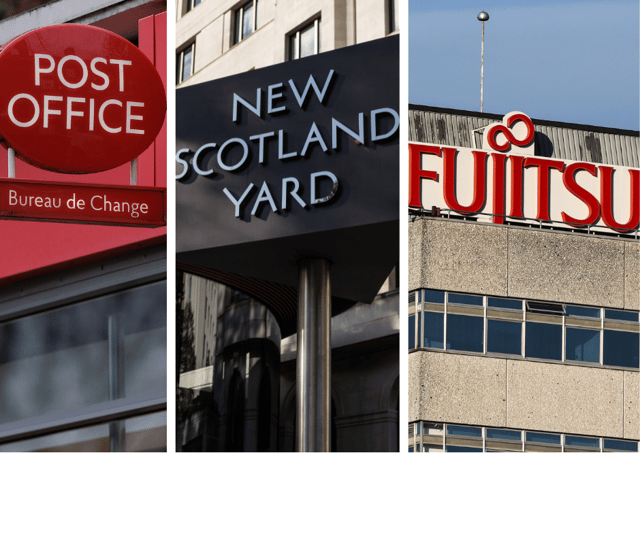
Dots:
(544, 341)
(620, 348)
(452, 448)
(433, 330)
(465, 333)
(504, 337)
(58, 360)
(412, 331)
(583, 345)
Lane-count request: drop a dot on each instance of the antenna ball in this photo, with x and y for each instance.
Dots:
(483, 16)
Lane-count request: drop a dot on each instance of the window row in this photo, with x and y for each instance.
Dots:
(439, 437)
(523, 328)
(301, 43)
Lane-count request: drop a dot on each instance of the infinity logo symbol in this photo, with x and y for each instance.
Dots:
(511, 139)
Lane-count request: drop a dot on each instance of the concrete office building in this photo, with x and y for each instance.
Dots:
(523, 327)
(237, 359)
(83, 307)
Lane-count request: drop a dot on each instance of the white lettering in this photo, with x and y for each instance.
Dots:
(130, 117)
(102, 75)
(264, 195)
(83, 65)
(101, 115)
(48, 111)
(238, 202)
(70, 111)
(37, 58)
(121, 64)
(311, 83)
(36, 111)
(255, 109)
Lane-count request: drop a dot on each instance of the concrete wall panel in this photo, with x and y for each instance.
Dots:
(457, 388)
(631, 405)
(565, 268)
(561, 398)
(459, 256)
(632, 275)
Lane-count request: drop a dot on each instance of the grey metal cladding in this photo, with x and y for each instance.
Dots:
(564, 141)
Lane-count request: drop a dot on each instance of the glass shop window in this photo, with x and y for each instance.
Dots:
(99, 350)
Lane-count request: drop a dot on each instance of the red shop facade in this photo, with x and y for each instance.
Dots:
(83, 305)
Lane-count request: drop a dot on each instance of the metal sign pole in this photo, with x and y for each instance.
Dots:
(11, 159)
(482, 16)
(313, 410)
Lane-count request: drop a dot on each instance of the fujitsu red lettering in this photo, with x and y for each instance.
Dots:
(416, 173)
(569, 180)
(606, 187)
(479, 180)
(544, 171)
(498, 187)
(517, 199)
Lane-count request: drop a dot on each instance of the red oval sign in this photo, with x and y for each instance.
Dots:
(78, 99)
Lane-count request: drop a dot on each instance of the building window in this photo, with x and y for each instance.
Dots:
(306, 41)
(393, 10)
(190, 4)
(441, 437)
(246, 21)
(185, 62)
(523, 329)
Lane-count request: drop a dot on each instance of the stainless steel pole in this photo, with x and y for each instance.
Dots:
(313, 411)
(482, 72)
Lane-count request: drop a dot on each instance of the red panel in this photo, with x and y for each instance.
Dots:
(161, 66)
(31, 248)
(147, 160)
(70, 202)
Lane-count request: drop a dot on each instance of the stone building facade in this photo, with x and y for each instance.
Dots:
(524, 335)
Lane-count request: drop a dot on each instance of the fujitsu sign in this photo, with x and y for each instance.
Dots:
(78, 99)
(510, 183)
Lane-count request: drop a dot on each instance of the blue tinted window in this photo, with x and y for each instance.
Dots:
(583, 345)
(504, 337)
(433, 296)
(620, 348)
(503, 303)
(433, 330)
(578, 441)
(494, 433)
(469, 431)
(452, 448)
(621, 315)
(412, 330)
(465, 333)
(544, 341)
(615, 444)
(465, 299)
(410, 449)
(583, 311)
(538, 437)
(417, 428)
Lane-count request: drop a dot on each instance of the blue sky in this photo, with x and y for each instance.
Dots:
(569, 61)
